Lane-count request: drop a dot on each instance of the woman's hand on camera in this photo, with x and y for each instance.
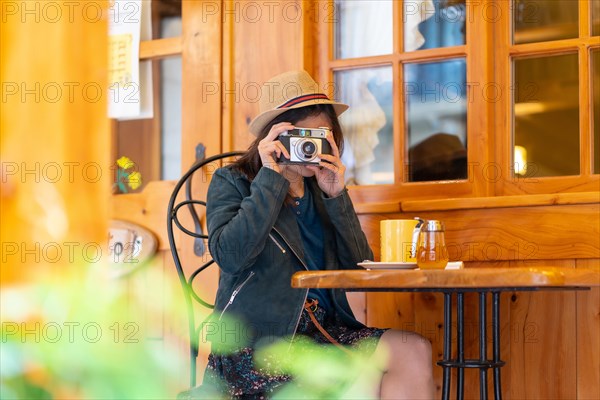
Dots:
(331, 170)
(270, 148)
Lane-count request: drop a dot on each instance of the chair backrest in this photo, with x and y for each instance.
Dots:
(173, 221)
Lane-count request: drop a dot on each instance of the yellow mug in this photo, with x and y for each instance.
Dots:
(399, 240)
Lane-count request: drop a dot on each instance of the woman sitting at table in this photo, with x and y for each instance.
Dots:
(268, 219)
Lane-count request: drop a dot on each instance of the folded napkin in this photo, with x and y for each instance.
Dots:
(455, 265)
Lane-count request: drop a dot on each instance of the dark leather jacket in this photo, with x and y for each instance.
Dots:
(255, 240)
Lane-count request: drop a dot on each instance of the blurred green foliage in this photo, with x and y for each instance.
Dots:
(88, 336)
(322, 371)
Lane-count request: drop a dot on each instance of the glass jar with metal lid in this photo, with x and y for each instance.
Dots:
(431, 249)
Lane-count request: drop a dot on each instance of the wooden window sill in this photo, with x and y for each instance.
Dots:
(479, 203)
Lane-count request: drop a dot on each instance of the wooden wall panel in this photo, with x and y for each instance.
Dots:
(510, 234)
(506, 325)
(266, 40)
(588, 338)
(543, 347)
(202, 53)
(201, 70)
(550, 339)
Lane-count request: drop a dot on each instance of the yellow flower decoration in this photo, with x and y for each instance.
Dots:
(125, 178)
(125, 162)
(135, 180)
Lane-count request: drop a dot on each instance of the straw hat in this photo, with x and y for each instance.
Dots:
(293, 89)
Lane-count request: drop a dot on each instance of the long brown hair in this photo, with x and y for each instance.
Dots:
(249, 164)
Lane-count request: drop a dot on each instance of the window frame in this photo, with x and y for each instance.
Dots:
(154, 51)
(507, 52)
(488, 53)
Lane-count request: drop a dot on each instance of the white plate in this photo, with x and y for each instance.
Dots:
(387, 265)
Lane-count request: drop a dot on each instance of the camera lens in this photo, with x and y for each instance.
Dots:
(309, 149)
(305, 150)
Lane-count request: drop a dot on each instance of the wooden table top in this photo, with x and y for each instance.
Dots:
(542, 277)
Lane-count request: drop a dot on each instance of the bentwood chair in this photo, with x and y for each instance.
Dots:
(193, 300)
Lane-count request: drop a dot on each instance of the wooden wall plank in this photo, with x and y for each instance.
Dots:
(588, 339)
(201, 75)
(277, 28)
(543, 342)
(202, 116)
(505, 343)
(390, 310)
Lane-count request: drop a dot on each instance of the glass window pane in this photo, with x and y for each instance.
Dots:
(363, 28)
(170, 121)
(165, 11)
(368, 124)
(546, 115)
(595, 17)
(596, 103)
(540, 21)
(436, 120)
(138, 139)
(170, 103)
(431, 24)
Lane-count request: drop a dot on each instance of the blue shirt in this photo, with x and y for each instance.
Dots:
(311, 231)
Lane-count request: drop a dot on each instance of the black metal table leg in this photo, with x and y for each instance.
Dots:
(447, 345)
(483, 363)
(483, 392)
(496, 344)
(460, 348)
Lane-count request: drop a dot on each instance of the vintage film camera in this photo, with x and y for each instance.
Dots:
(304, 145)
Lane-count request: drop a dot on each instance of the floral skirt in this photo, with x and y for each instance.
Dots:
(238, 377)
